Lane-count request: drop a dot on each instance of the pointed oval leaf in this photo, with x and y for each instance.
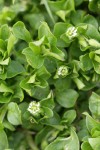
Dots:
(21, 32)
(70, 143)
(94, 104)
(3, 140)
(14, 68)
(91, 123)
(67, 98)
(34, 60)
(14, 114)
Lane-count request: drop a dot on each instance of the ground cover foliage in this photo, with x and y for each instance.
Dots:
(49, 75)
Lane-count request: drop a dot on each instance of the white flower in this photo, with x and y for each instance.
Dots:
(34, 108)
(62, 71)
(71, 32)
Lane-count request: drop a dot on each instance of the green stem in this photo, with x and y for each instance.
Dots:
(48, 9)
(31, 142)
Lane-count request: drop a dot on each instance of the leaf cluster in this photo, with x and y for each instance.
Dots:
(49, 75)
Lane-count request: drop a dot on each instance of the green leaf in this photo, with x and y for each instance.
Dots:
(86, 62)
(79, 83)
(94, 43)
(89, 19)
(48, 102)
(62, 83)
(69, 116)
(18, 93)
(21, 32)
(43, 73)
(77, 2)
(32, 79)
(5, 99)
(94, 142)
(97, 51)
(5, 93)
(36, 44)
(41, 83)
(50, 54)
(86, 146)
(2, 45)
(65, 39)
(4, 88)
(34, 60)
(3, 111)
(45, 30)
(77, 16)
(67, 98)
(92, 32)
(91, 123)
(50, 64)
(94, 6)
(96, 66)
(70, 5)
(58, 53)
(27, 87)
(14, 68)
(14, 114)
(62, 5)
(95, 132)
(4, 32)
(5, 62)
(56, 6)
(41, 93)
(34, 19)
(10, 44)
(8, 126)
(83, 43)
(54, 52)
(94, 104)
(83, 134)
(53, 121)
(3, 140)
(48, 113)
(1, 125)
(58, 33)
(42, 134)
(62, 14)
(60, 143)
(97, 58)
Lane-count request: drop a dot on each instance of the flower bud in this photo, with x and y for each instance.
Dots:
(62, 71)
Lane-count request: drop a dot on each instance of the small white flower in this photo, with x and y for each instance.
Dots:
(62, 71)
(71, 32)
(34, 108)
